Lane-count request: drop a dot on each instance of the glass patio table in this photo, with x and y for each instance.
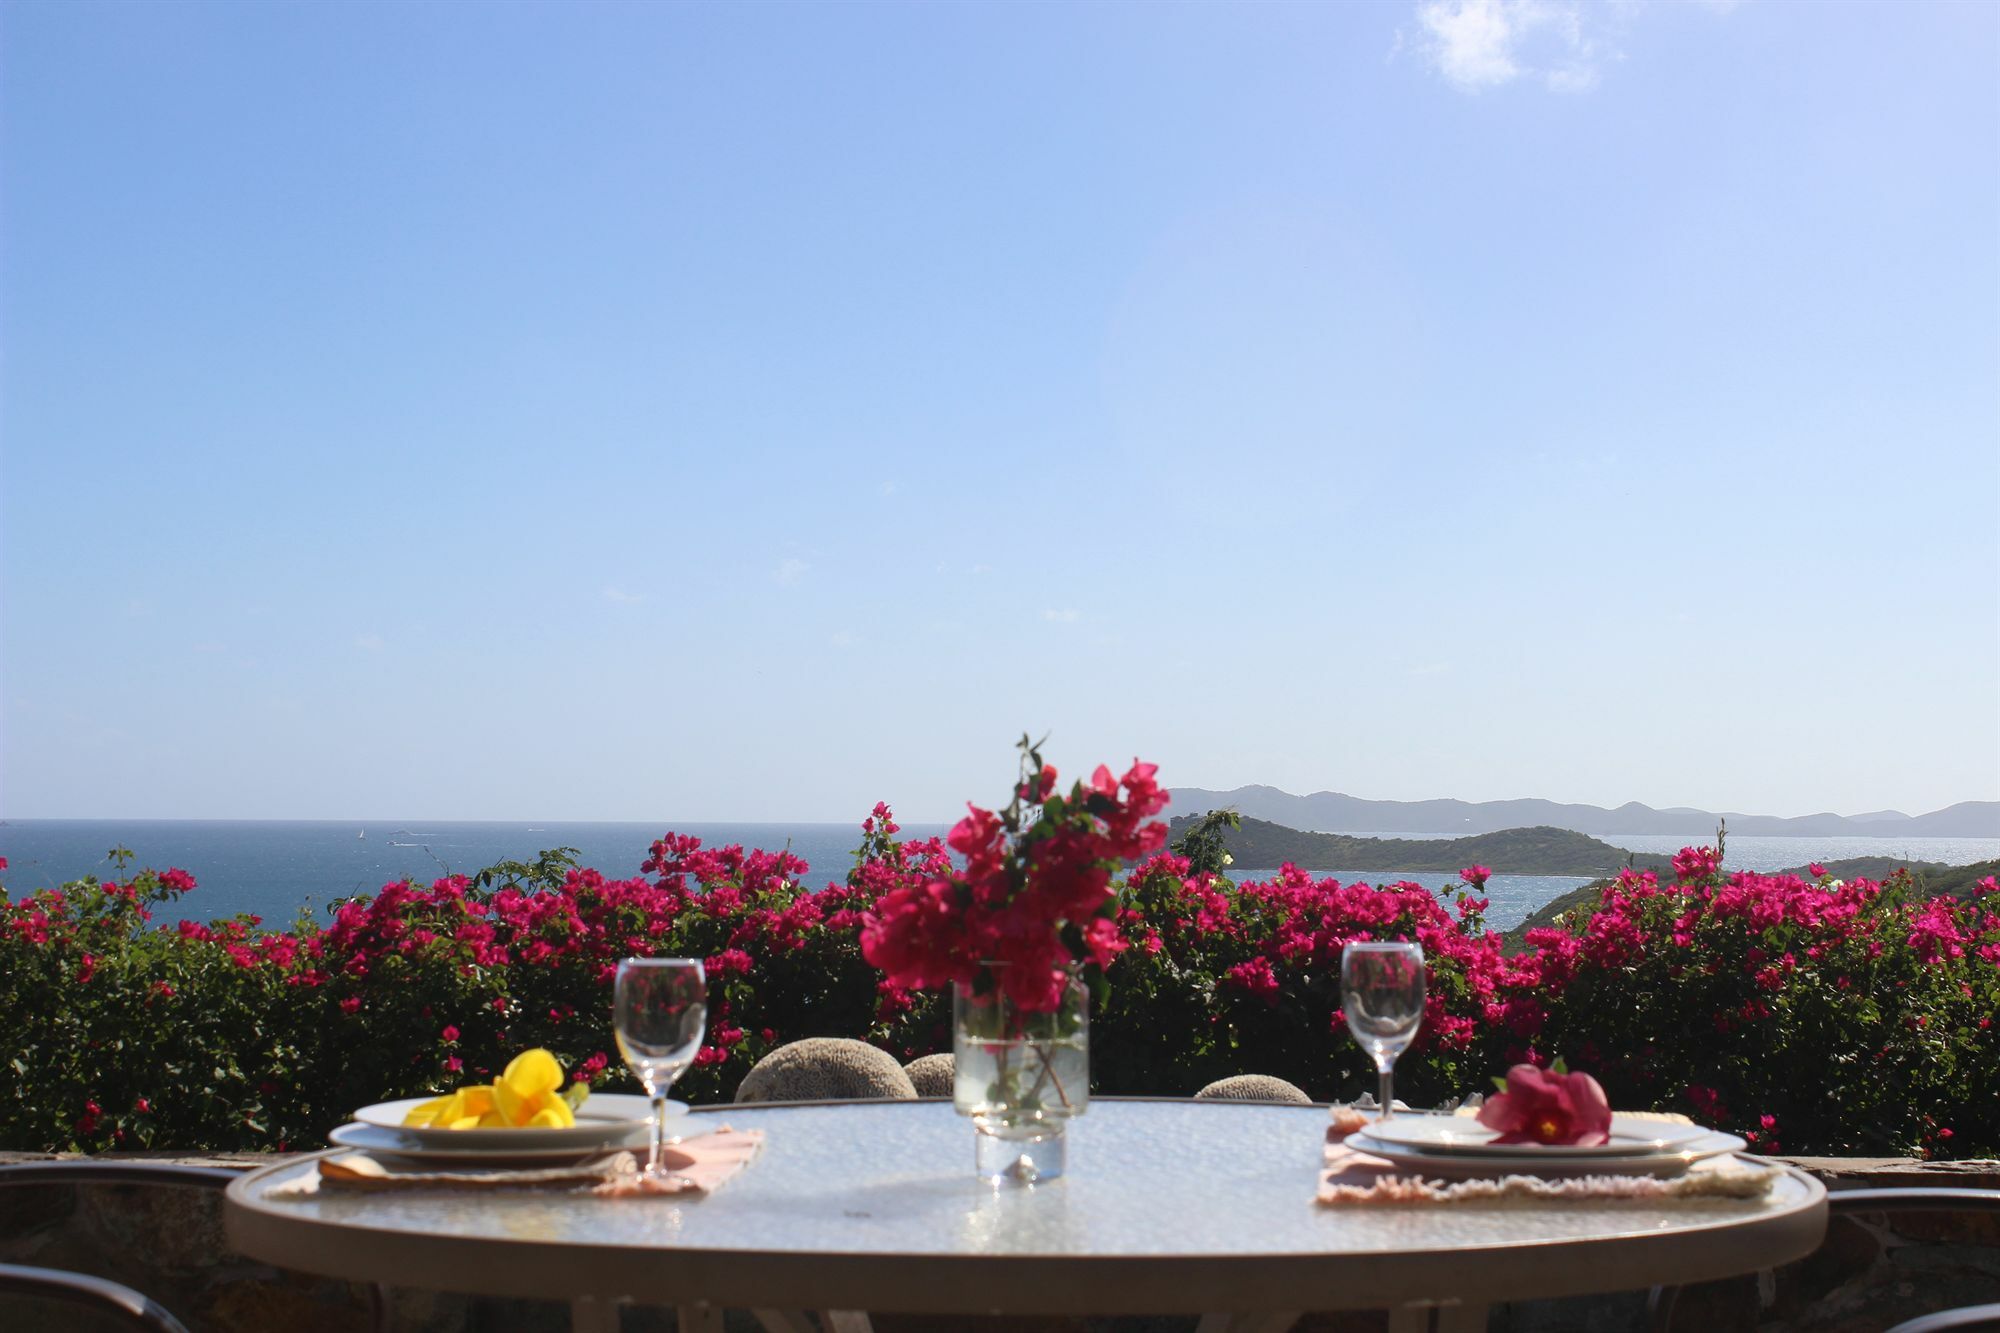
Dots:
(1168, 1207)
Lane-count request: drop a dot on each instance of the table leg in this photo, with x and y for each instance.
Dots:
(846, 1321)
(786, 1321)
(593, 1314)
(1268, 1321)
(1660, 1304)
(1455, 1317)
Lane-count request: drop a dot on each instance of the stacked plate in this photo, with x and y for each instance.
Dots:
(1457, 1147)
(606, 1121)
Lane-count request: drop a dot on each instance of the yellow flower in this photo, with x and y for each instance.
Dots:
(527, 1095)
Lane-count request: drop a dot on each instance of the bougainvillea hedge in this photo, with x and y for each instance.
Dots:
(1814, 1016)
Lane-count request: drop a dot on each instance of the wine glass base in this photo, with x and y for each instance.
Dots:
(1019, 1156)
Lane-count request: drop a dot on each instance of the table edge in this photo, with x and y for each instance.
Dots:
(901, 1282)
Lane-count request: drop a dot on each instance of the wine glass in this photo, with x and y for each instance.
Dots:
(659, 1010)
(1382, 987)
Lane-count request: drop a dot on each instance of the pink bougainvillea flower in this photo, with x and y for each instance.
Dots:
(1692, 863)
(1542, 1106)
(1476, 876)
(1707, 1102)
(1034, 902)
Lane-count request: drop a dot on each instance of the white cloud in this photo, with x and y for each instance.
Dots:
(1482, 44)
(369, 643)
(790, 571)
(622, 597)
(1471, 41)
(888, 488)
(1067, 616)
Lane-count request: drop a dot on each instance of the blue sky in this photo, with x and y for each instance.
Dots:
(752, 412)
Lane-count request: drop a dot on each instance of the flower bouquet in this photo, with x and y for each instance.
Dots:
(1022, 933)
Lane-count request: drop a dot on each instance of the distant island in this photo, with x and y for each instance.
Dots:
(1260, 844)
(1932, 878)
(1334, 812)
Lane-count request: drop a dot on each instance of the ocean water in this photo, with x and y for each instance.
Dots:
(276, 868)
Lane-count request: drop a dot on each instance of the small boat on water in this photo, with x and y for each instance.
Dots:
(362, 834)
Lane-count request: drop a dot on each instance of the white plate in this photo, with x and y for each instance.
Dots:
(1460, 1165)
(606, 1120)
(379, 1142)
(1462, 1134)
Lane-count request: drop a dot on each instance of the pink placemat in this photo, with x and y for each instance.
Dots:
(700, 1166)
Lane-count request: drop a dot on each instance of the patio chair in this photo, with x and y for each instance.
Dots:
(826, 1069)
(131, 1308)
(932, 1075)
(121, 1303)
(1844, 1203)
(1253, 1088)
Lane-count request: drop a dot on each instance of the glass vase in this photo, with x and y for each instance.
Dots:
(1020, 1077)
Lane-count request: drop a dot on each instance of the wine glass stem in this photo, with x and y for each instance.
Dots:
(656, 1163)
(1386, 1066)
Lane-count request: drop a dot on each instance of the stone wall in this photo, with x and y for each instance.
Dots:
(168, 1243)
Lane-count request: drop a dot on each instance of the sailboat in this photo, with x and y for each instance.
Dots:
(362, 834)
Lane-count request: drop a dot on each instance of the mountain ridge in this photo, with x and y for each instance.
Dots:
(1337, 812)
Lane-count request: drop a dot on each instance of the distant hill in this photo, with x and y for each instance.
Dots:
(1521, 851)
(1932, 877)
(1333, 812)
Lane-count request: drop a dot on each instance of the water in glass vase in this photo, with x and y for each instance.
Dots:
(1011, 1084)
(1020, 1077)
